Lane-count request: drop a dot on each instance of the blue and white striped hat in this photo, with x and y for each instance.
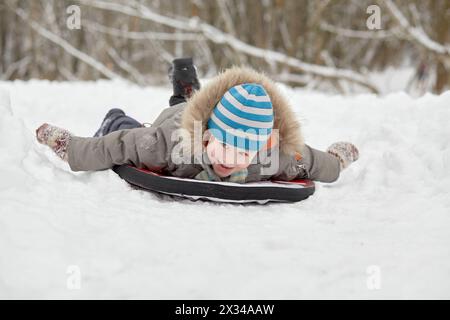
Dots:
(243, 118)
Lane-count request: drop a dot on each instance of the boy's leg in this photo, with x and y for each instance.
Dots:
(116, 120)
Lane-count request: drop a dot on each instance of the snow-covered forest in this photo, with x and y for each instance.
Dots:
(374, 73)
(330, 45)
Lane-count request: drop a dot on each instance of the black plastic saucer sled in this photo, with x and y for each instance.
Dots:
(253, 192)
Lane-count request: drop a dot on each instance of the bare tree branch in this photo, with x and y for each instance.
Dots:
(417, 34)
(18, 65)
(67, 46)
(149, 35)
(358, 34)
(217, 36)
(294, 78)
(140, 79)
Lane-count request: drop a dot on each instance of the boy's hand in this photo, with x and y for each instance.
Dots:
(40, 133)
(56, 138)
(346, 153)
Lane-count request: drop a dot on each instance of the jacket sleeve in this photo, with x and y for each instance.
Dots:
(143, 147)
(319, 166)
(314, 164)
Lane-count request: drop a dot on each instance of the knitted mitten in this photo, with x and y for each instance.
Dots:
(56, 138)
(346, 152)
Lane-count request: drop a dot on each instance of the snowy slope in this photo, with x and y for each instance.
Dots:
(391, 209)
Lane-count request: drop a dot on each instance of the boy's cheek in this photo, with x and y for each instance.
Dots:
(210, 150)
(214, 154)
(243, 162)
(242, 166)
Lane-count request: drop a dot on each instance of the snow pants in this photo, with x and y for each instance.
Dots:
(116, 119)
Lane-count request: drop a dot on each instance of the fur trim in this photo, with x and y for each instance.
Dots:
(201, 104)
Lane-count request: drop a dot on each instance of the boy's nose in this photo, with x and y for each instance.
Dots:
(231, 157)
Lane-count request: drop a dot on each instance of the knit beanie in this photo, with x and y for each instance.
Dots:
(243, 118)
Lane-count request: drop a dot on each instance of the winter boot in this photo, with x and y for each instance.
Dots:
(115, 120)
(106, 123)
(183, 75)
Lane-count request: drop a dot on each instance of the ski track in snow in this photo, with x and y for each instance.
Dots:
(390, 209)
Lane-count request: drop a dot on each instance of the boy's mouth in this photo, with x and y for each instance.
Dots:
(222, 170)
(224, 166)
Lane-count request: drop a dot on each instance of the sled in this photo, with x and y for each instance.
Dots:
(253, 192)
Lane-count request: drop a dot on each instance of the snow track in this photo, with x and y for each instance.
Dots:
(391, 209)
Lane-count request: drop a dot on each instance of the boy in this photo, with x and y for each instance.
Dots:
(241, 115)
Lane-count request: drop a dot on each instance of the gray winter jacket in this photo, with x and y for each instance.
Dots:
(154, 147)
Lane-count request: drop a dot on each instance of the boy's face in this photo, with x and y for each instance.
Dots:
(226, 159)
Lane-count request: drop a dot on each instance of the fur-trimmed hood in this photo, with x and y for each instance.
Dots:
(200, 106)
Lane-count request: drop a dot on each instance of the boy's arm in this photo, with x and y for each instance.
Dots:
(144, 147)
(319, 166)
(308, 164)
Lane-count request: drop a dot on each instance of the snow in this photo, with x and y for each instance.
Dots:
(392, 80)
(390, 211)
